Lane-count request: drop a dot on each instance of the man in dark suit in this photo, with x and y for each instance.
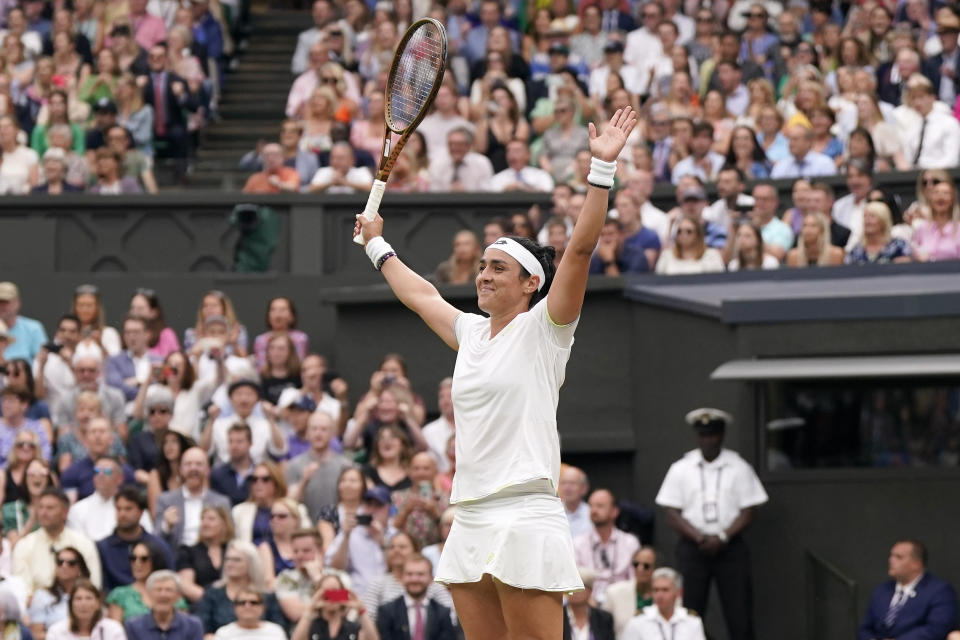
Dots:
(178, 510)
(893, 76)
(414, 616)
(599, 623)
(233, 479)
(613, 18)
(913, 604)
(943, 69)
(170, 98)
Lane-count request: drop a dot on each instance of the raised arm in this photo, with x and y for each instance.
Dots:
(414, 292)
(570, 283)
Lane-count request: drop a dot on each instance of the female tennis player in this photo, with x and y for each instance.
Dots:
(509, 557)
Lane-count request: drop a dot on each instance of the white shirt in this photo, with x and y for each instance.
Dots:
(650, 625)
(577, 633)
(728, 483)
(96, 517)
(192, 510)
(632, 75)
(505, 393)
(670, 265)
(641, 45)
(941, 141)
(435, 128)
(437, 433)
(412, 612)
(15, 170)
(106, 629)
(579, 519)
(537, 179)
(474, 173)
(688, 166)
(848, 212)
(356, 174)
(769, 262)
(266, 631)
(58, 380)
(904, 591)
(259, 428)
(653, 218)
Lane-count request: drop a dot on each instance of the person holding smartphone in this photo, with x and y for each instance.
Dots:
(334, 613)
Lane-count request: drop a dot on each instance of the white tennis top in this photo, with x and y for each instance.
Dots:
(505, 393)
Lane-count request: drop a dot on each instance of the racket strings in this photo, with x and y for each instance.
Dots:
(414, 76)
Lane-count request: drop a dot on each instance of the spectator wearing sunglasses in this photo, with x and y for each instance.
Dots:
(50, 604)
(605, 550)
(15, 401)
(131, 600)
(132, 527)
(78, 478)
(627, 598)
(249, 607)
(96, 515)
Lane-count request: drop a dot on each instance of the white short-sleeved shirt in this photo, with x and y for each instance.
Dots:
(728, 482)
(505, 393)
(266, 631)
(650, 625)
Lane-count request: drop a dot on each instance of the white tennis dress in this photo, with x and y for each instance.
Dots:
(509, 521)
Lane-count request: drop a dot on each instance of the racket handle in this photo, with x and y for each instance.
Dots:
(373, 204)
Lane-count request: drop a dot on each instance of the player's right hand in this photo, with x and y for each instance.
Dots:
(369, 229)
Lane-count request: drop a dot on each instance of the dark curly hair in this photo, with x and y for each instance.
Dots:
(545, 256)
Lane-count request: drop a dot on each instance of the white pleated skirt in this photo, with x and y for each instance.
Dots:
(519, 537)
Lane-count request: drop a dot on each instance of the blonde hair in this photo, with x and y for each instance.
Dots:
(823, 256)
(882, 212)
(228, 311)
(254, 566)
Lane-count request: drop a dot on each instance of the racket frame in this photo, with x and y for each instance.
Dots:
(391, 151)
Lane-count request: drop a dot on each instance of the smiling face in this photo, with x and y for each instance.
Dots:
(500, 282)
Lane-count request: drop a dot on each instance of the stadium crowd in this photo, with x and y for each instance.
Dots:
(93, 92)
(219, 484)
(730, 94)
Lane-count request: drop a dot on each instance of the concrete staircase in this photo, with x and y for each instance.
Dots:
(253, 100)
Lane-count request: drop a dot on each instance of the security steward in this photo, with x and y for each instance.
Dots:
(709, 495)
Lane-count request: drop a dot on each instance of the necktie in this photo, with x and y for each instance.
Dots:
(520, 176)
(800, 168)
(923, 130)
(159, 113)
(418, 623)
(896, 605)
(456, 172)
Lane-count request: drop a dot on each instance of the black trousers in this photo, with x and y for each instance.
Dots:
(731, 569)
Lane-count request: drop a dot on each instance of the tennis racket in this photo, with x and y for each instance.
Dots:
(414, 80)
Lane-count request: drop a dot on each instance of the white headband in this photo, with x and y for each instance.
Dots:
(522, 255)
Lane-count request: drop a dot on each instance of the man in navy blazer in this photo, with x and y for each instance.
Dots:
(414, 616)
(122, 369)
(913, 605)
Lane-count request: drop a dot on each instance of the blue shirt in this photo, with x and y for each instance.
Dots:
(30, 336)
(714, 235)
(813, 164)
(115, 558)
(632, 258)
(780, 148)
(183, 627)
(779, 233)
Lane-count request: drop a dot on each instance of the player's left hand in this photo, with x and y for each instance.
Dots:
(607, 146)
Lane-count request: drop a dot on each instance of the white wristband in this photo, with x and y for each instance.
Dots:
(376, 248)
(601, 173)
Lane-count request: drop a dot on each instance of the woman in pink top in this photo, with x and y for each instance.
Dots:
(163, 340)
(939, 238)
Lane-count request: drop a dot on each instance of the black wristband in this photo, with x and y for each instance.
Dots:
(384, 258)
(598, 186)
